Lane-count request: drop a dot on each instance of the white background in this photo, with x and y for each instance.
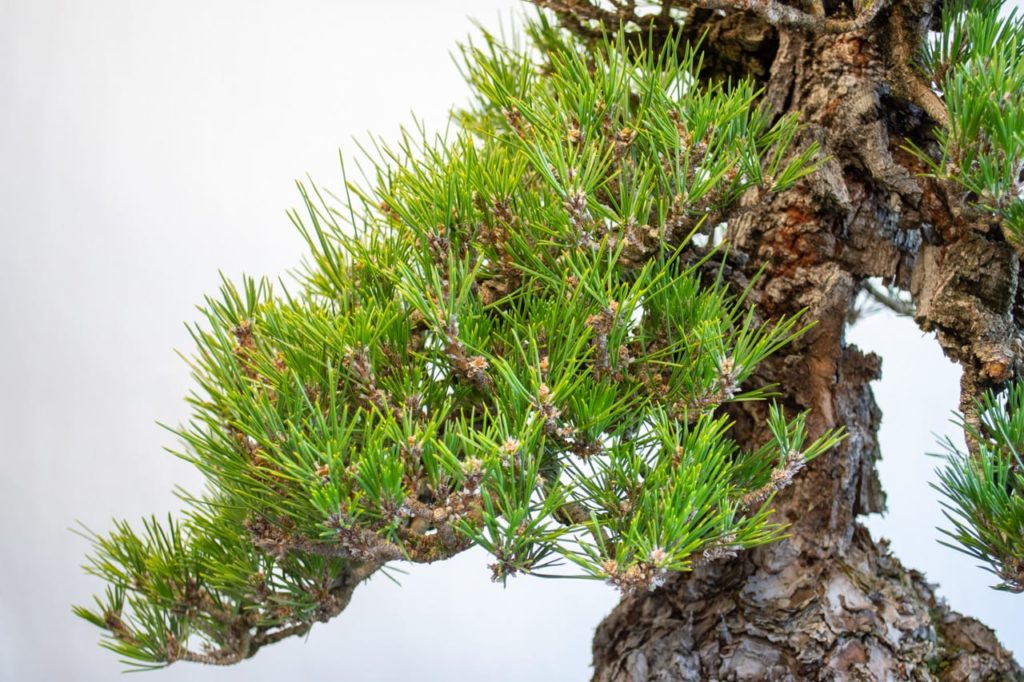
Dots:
(146, 145)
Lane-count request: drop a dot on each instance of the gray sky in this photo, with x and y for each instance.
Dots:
(146, 145)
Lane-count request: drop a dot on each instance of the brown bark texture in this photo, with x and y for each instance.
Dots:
(830, 602)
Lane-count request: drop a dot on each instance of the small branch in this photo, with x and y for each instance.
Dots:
(893, 303)
(779, 14)
(216, 657)
(780, 478)
(360, 545)
(243, 643)
(472, 369)
(969, 391)
(574, 14)
(277, 635)
(565, 436)
(602, 323)
(370, 396)
(722, 549)
(724, 389)
(906, 82)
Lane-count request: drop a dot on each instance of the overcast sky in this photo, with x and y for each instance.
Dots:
(146, 145)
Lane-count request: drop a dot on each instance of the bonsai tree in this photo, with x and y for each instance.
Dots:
(598, 331)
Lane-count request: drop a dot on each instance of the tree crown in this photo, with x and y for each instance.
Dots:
(521, 336)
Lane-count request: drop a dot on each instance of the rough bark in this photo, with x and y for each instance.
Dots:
(830, 602)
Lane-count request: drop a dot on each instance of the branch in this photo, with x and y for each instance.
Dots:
(893, 303)
(782, 15)
(472, 369)
(574, 13)
(243, 643)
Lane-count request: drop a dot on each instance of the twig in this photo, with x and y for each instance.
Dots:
(893, 303)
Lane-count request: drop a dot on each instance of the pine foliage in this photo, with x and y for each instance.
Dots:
(976, 62)
(984, 488)
(514, 337)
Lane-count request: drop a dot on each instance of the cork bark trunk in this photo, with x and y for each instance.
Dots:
(830, 602)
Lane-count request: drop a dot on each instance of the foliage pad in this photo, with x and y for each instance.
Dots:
(507, 338)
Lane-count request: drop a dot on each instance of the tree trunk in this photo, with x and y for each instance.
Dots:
(830, 602)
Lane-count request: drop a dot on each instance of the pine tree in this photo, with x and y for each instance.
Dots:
(598, 331)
